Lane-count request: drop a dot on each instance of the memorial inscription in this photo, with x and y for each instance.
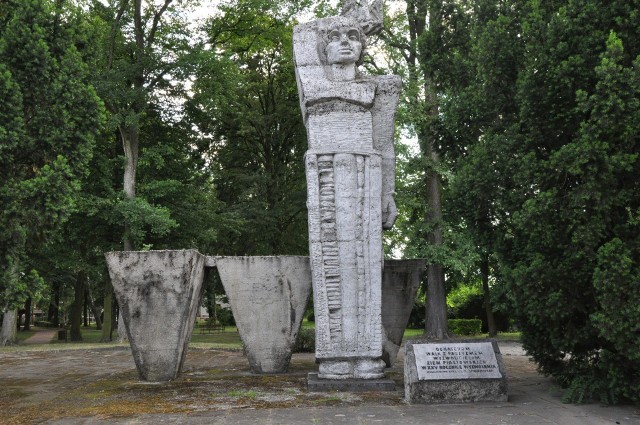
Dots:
(451, 372)
(456, 361)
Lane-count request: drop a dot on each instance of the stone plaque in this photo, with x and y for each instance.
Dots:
(452, 372)
(456, 361)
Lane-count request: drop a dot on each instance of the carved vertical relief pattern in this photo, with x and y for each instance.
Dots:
(330, 253)
(361, 247)
(374, 256)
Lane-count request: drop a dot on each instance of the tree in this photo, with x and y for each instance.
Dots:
(580, 153)
(547, 180)
(246, 104)
(142, 53)
(426, 42)
(47, 132)
(143, 60)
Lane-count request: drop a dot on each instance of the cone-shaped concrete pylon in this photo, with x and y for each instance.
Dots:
(268, 297)
(159, 295)
(400, 282)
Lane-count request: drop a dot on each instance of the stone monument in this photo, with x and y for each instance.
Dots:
(159, 294)
(268, 297)
(400, 282)
(454, 371)
(350, 168)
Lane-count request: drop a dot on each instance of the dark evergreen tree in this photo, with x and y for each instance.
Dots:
(48, 125)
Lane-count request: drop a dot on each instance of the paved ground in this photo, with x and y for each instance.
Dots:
(216, 387)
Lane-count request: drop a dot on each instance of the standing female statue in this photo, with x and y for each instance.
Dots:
(350, 186)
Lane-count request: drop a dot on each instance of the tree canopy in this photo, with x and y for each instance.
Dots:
(49, 123)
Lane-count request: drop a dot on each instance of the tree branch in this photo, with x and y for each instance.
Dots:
(156, 21)
(123, 7)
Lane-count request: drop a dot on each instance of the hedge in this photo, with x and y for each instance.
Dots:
(465, 326)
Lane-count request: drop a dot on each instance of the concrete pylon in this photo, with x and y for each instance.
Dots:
(268, 297)
(400, 283)
(159, 295)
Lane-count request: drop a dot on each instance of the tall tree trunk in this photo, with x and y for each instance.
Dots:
(130, 142)
(107, 323)
(76, 307)
(418, 11)
(114, 314)
(484, 271)
(54, 308)
(85, 310)
(51, 312)
(8, 333)
(436, 326)
(209, 287)
(130, 137)
(27, 314)
(94, 309)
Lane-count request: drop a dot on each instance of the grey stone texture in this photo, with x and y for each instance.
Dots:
(159, 294)
(268, 297)
(451, 382)
(315, 384)
(400, 283)
(350, 169)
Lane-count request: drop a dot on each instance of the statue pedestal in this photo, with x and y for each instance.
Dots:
(315, 384)
(454, 371)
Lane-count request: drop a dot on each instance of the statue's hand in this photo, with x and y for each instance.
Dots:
(389, 212)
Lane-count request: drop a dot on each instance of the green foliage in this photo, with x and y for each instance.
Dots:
(143, 218)
(225, 316)
(460, 295)
(50, 119)
(305, 341)
(617, 321)
(246, 105)
(417, 316)
(547, 176)
(465, 326)
(466, 301)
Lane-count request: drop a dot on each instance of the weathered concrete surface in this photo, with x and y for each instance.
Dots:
(158, 293)
(400, 283)
(97, 385)
(454, 371)
(268, 297)
(315, 384)
(350, 170)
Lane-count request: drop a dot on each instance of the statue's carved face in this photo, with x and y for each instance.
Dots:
(344, 46)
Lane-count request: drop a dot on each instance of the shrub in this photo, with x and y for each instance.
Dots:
(225, 317)
(467, 302)
(465, 326)
(417, 317)
(306, 341)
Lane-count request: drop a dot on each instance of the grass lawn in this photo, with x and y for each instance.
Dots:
(91, 337)
(229, 339)
(22, 335)
(502, 336)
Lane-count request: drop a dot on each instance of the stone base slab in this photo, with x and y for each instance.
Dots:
(454, 371)
(457, 391)
(315, 384)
